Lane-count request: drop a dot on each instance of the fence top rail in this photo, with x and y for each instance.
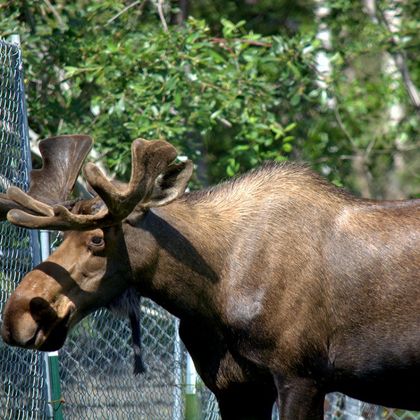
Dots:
(12, 44)
(11, 48)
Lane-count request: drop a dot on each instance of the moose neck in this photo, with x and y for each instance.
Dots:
(188, 244)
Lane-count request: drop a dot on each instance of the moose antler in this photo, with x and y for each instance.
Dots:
(62, 158)
(154, 181)
(6, 205)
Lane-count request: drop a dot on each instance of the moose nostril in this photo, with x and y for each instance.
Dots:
(41, 310)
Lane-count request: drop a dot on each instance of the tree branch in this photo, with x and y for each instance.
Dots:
(159, 6)
(400, 59)
(54, 12)
(125, 9)
(224, 41)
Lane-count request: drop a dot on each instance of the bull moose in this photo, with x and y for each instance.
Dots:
(286, 287)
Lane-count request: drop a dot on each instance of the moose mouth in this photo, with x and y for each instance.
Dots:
(53, 339)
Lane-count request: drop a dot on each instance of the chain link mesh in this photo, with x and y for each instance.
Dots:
(22, 392)
(97, 378)
(97, 369)
(96, 365)
(339, 406)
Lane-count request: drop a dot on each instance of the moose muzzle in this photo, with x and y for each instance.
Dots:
(33, 317)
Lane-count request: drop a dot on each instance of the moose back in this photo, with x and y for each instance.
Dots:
(286, 287)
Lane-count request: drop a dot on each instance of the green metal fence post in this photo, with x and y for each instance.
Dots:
(56, 398)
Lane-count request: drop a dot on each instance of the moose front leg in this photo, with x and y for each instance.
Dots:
(247, 402)
(300, 399)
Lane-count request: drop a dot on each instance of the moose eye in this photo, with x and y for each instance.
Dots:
(97, 241)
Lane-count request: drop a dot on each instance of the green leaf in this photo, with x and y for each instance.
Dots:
(287, 147)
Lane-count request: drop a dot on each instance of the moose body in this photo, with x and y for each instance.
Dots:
(285, 286)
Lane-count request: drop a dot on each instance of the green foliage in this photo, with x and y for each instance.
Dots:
(268, 17)
(233, 97)
(230, 87)
(358, 138)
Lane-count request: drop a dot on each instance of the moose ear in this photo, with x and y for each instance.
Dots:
(170, 185)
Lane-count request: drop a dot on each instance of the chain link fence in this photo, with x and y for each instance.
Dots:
(23, 385)
(96, 363)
